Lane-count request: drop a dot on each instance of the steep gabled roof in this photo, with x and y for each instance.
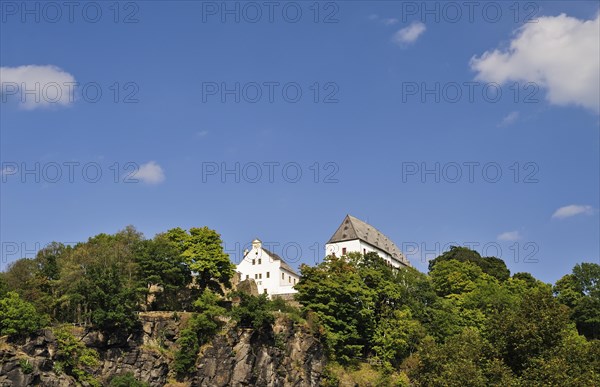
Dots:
(276, 258)
(354, 228)
(283, 263)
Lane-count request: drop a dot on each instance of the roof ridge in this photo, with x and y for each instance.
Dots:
(284, 264)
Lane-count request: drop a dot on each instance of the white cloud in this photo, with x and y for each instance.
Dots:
(409, 35)
(150, 173)
(572, 210)
(559, 53)
(509, 236)
(509, 119)
(37, 86)
(373, 16)
(201, 133)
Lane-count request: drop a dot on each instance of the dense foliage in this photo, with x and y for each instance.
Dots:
(465, 323)
(202, 325)
(74, 358)
(18, 317)
(104, 282)
(127, 380)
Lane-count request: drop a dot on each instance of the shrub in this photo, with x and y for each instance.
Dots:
(26, 366)
(253, 312)
(19, 317)
(127, 380)
(74, 357)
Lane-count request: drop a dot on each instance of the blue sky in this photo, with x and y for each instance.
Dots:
(389, 91)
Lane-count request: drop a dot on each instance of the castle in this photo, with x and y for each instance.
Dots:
(274, 277)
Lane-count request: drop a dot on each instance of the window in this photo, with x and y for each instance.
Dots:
(289, 279)
(247, 276)
(343, 251)
(268, 276)
(260, 276)
(254, 261)
(255, 276)
(294, 281)
(259, 261)
(282, 276)
(364, 251)
(265, 291)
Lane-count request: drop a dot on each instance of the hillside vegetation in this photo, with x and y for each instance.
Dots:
(467, 322)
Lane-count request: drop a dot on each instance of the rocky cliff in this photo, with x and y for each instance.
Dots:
(288, 355)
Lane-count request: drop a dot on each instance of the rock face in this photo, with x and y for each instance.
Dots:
(288, 355)
(31, 364)
(285, 356)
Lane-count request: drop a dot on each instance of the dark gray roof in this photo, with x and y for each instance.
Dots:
(354, 228)
(277, 258)
(283, 263)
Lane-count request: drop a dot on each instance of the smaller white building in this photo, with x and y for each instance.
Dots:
(272, 275)
(354, 235)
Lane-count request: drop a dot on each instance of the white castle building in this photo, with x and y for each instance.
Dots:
(354, 235)
(272, 275)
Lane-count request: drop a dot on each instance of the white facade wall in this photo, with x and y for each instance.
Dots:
(358, 246)
(270, 277)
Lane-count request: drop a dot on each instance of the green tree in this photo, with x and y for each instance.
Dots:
(19, 317)
(575, 362)
(454, 277)
(127, 380)
(185, 357)
(580, 291)
(463, 360)
(74, 357)
(160, 263)
(20, 277)
(202, 251)
(253, 312)
(527, 278)
(536, 325)
(205, 320)
(335, 292)
(490, 265)
(112, 303)
(3, 286)
(397, 335)
(200, 328)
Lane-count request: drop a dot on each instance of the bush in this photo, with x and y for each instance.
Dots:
(201, 327)
(127, 380)
(185, 357)
(19, 317)
(74, 357)
(253, 312)
(26, 366)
